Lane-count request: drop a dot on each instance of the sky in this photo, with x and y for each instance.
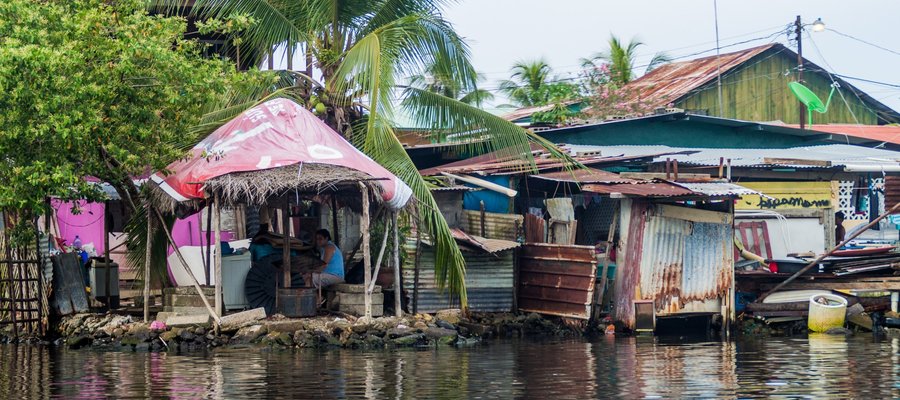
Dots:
(501, 32)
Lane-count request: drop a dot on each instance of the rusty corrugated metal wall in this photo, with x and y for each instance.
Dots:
(673, 262)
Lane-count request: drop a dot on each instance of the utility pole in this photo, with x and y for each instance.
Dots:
(798, 25)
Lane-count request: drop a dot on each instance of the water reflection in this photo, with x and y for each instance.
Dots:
(820, 366)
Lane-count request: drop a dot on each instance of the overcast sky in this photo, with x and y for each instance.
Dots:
(501, 32)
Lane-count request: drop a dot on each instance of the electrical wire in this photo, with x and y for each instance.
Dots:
(863, 41)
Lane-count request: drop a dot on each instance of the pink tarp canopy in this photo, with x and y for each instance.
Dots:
(277, 133)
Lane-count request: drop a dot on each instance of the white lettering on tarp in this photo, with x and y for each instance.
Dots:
(264, 162)
(255, 114)
(321, 152)
(227, 144)
(275, 106)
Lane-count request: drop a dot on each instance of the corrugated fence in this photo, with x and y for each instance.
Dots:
(489, 281)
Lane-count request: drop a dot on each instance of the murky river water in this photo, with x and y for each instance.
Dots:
(821, 366)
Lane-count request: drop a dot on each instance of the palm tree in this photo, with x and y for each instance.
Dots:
(621, 60)
(528, 82)
(433, 79)
(355, 52)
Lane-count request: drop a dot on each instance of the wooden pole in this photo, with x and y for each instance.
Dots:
(184, 264)
(398, 285)
(106, 255)
(828, 253)
(217, 252)
(609, 243)
(286, 252)
(147, 256)
(367, 257)
(335, 232)
(207, 263)
(384, 239)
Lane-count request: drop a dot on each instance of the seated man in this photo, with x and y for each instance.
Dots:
(332, 269)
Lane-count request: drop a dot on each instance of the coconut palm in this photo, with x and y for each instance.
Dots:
(442, 82)
(528, 83)
(355, 53)
(620, 59)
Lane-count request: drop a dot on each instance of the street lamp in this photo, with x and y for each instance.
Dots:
(818, 26)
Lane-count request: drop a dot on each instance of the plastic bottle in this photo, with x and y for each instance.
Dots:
(77, 243)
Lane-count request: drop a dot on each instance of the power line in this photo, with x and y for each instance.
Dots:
(893, 85)
(864, 41)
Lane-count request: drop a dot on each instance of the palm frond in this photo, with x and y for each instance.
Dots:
(658, 59)
(136, 242)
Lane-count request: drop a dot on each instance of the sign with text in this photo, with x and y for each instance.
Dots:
(789, 195)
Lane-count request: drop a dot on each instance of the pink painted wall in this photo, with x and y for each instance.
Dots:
(88, 225)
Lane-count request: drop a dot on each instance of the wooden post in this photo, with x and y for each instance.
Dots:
(384, 239)
(415, 307)
(609, 243)
(184, 264)
(367, 257)
(335, 231)
(207, 265)
(286, 252)
(106, 226)
(217, 252)
(398, 285)
(147, 257)
(481, 205)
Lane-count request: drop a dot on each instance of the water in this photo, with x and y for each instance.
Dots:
(821, 366)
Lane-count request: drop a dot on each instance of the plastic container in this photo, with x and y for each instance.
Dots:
(297, 302)
(823, 317)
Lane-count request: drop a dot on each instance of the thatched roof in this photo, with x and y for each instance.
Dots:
(259, 187)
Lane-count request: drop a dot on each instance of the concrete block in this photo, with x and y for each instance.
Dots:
(341, 298)
(239, 320)
(209, 291)
(186, 310)
(187, 320)
(350, 288)
(360, 310)
(181, 300)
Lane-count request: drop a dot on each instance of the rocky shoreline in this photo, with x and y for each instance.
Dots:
(448, 328)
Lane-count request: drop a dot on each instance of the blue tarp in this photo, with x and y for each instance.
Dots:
(493, 202)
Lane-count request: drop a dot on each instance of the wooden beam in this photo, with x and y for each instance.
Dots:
(387, 227)
(147, 258)
(367, 257)
(286, 252)
(398, 284)
(217, 252)
(657, 175)
(796, 161)
(187, 268)
(693, 214)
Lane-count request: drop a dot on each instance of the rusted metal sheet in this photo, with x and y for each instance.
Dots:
(673, 262)
(672, 81)
(585, 175)
(557, 279)
(628, 274)
(496, 225)
(891, 191)
(641, 189)
(487, 245)
(489, 280)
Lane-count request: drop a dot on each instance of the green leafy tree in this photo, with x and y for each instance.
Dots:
(442, 82)
(355, 54)
(93, 88)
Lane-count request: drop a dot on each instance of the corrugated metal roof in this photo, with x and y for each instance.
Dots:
(641, 189)
(837, 154)
(719, 189)
(490, 246)
(503, 163)
(586, 175)
(876, 133)
(669, 82)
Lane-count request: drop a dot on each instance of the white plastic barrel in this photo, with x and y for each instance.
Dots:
(823, 317)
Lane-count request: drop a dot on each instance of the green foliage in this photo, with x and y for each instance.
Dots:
(94, 88)
(619, 61)
(531, 84)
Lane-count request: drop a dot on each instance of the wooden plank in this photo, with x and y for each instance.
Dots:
(662, 175)
(693, 214)
(565, 252)
(795, 161)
